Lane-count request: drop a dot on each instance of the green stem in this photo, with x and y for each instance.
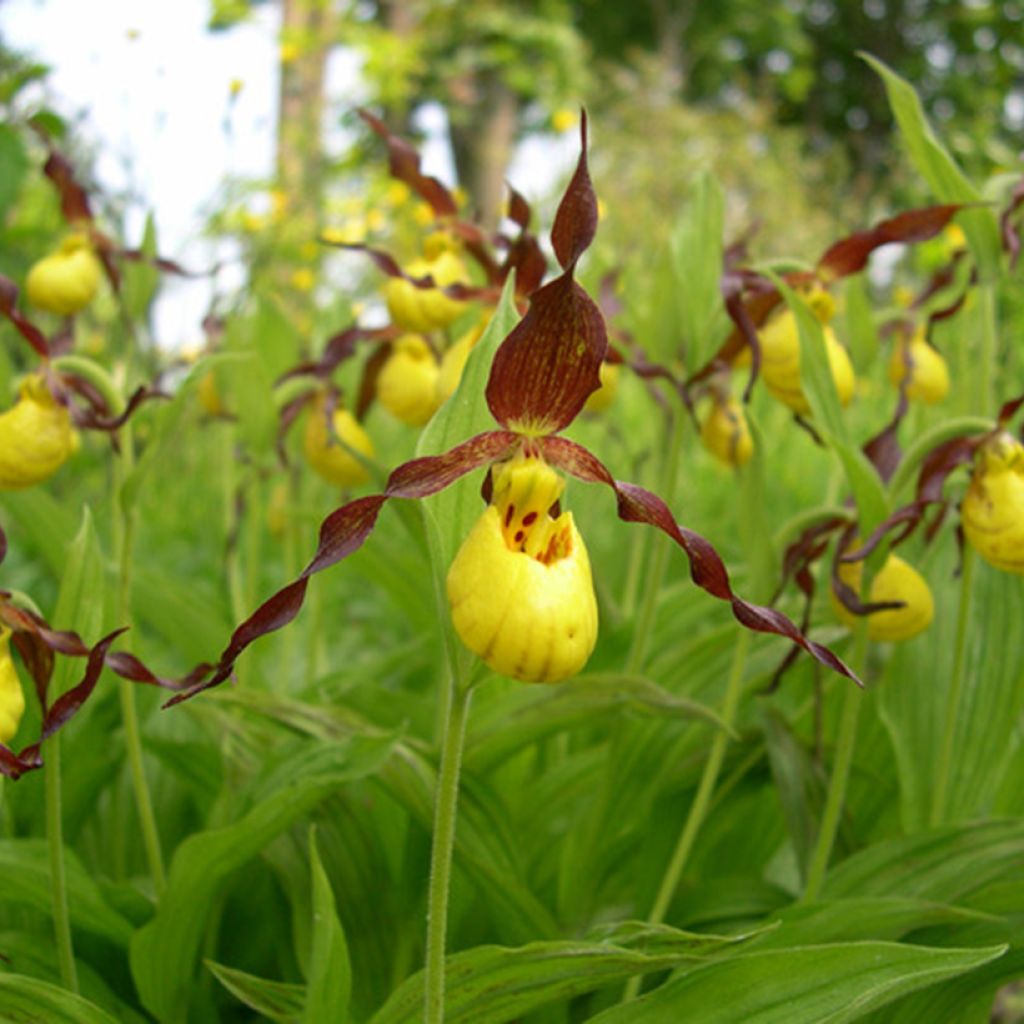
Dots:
(702, 799)
(124, 535)
(661, 547)
(445, 804)
(989, 330)
(845, 743)
(58, 882)
(941, 792)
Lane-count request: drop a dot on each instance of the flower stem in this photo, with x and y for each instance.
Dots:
(445, 804)
(702, 799)
(58, 882)
(845, 743)
(940, 793)
(124, 535)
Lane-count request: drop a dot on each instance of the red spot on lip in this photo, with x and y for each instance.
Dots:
(509, 513)
(529, 519)
(519, 536)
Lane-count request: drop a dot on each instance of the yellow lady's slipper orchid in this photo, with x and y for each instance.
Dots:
(929, 375)
(725, 433)
(520, 588)
(12, 699)
(66, 281)
(780, 355)
(427, 309)
(603, 397)
(897, 580)
(407, 383)
(36, 437)
(993, 508)
(329, 456)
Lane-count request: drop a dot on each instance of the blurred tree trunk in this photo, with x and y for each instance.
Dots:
(484, 128)
(308, 31)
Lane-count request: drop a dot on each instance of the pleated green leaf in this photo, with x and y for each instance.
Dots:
(329, 981)
(933, 162)
(164, 953)
(828, 984)
(274, 1000)
(25, 999)
(491, 984)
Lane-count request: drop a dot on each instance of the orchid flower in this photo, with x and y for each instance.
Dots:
(540, 379)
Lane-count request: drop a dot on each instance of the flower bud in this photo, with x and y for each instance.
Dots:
(602, 398)
(897, 580)
(66, 281)
(992, 512)
(407, 383)
(36, 437)
(12, 699)
(725, 432)
(327, 454)
(780, 355)
(520, 588)
(427, 309)
(929, 375)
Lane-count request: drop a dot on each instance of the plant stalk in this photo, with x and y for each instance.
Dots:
(702, 799)
(845, 744)
(443, 843)
(124, 536)
(58, 880)
(940, 795)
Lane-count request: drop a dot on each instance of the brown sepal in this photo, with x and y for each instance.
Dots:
(545, 369)
(576, 220)
(404, 164)
(343, 532)
(850, 254)
(518, 208)
(637, 505)
(1008, 229)
(28, 330)
(74, 202)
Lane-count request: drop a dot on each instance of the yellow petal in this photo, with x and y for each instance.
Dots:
(329, 456)
(66, 281)
(12, 699)
(35, 437)
(897, 580)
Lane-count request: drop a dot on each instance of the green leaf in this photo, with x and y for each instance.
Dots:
(493, 985)
(856, 919)
(140, 278)
(819, 387)
(13, 164)
(330, 973)
(527, 715)
(944, 864)
(811, 985)
(26, 873)
(32, 956)
(25, 999)
(815, 373)
(861, 333)
(913, 695)
(934, 163)
(275, 1000)
(48, 526)
(165, 952)
(696, 247)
